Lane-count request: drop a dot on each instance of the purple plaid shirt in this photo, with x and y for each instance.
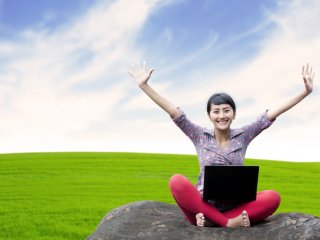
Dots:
(210, 153)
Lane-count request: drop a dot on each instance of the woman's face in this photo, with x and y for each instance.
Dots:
(221, 116)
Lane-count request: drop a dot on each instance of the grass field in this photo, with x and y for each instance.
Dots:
(65, 195)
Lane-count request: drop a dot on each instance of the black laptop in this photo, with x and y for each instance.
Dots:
(230, 183)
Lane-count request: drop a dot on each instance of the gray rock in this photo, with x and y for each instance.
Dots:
(155, 220)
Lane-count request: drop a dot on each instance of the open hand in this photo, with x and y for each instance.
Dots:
(140, 73)
(308, 76)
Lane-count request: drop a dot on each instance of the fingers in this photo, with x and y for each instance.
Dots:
(307, 72)
(308, 75)
(133, 67)
(144, 65)
(140, 66)
(151, 71)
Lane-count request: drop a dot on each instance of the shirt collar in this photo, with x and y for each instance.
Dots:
(233, 132)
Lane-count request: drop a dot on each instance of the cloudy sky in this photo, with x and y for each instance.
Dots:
(64, 84)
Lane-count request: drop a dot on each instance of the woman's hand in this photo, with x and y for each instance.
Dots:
(308, 78)
(140, 73)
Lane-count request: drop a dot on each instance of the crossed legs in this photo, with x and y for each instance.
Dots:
(191, 204)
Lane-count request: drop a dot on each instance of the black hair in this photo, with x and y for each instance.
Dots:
(220, 98)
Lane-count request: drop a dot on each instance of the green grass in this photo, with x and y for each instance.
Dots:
(65, 195)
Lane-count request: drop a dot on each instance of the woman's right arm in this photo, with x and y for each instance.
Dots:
(142, 75)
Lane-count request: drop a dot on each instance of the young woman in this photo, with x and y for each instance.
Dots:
(220, 146)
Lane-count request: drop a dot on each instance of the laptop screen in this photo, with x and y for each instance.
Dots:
(230, 183)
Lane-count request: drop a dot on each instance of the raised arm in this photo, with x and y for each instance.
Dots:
(142, 75)
(308, 76)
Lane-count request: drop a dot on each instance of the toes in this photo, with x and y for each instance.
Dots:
(200, 223)
(244, 215)
(245, 222)
(200, 219)
(245, 219)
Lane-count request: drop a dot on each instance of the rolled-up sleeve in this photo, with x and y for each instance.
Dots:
(254, 129)
(192, 130)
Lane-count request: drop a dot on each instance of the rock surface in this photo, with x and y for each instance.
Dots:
(155, 220)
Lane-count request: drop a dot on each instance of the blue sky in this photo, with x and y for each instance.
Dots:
(64, 84)
(16, 15)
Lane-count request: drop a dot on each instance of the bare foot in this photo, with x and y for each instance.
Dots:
(240, 221)
(202, 221)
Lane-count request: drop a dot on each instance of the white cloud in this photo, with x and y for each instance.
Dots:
(45, 99)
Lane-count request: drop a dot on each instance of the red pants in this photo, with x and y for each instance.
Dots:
(190, 202)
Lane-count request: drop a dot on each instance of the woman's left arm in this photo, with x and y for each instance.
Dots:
(308, 76)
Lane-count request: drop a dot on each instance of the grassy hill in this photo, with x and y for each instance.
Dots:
(65, 195)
